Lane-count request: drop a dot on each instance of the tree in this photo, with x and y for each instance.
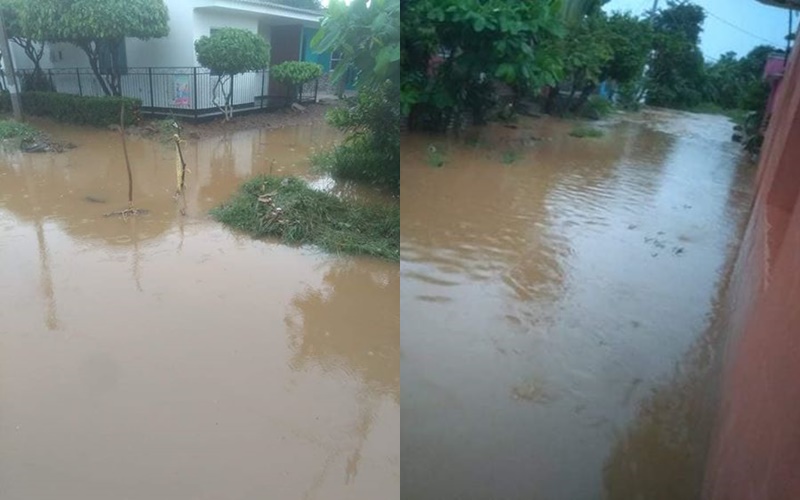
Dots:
(99, 27)
(228, 52)
(24, 26)
(630, 39)
(367, 34)
(459, 49)
(677, 71)
(585, 51)
(295, 74)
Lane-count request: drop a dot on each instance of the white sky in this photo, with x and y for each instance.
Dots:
(755, 23)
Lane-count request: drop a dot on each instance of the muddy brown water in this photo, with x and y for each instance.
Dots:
(557, 303)
(166, 357)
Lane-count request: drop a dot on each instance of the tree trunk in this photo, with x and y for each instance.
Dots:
(552, 97)
(587, 91)
(568, 106)
(115, 79)
(92, 53)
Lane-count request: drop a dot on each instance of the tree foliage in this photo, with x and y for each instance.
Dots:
(630, 39)
(295, 74)
(736, 83)
(676, 76)
(228, 52)
(97, 27)
(598, 47)
(367, 35)
(455, 50)
(24, 28)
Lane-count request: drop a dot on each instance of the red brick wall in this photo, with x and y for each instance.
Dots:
(755, 453)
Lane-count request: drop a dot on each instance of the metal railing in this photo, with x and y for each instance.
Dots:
(179, 91)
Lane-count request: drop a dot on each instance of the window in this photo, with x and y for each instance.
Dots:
(115, 49)
(336, 58)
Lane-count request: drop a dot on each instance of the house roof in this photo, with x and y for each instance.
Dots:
(281, 6)
(785, 4)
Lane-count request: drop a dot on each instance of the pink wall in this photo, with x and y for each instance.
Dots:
(755, 454)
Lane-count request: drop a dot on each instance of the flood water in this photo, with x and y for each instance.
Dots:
(557, 303)
(165, 357)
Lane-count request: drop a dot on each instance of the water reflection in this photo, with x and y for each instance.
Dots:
(51, 315)
(328, 332)
(77, 188)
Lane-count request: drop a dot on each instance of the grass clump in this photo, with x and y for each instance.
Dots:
(371, 151)
(597, 107)
(510, 156)
(584, 131)
(287, 208)
(435, 157)
(166, 128)
(10, 129)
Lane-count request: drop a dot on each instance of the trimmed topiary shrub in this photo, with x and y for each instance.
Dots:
(295, 73)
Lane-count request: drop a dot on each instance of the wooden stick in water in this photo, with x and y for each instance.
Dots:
(125, 151)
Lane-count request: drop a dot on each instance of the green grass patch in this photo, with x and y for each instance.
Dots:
(288, 209)
(435, 156)
(510, 156)
(165, 129)
(362, 158)
(10, 129)
(584, 131)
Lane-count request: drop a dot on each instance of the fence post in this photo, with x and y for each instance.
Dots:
(194, 90)
(231, 93)
(316, 89)
(80, 87)
(150, 77)
(263, 77)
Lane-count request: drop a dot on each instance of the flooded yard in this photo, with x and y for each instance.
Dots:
(558, 298)
(166, 357)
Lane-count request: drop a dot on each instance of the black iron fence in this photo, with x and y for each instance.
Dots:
(188, 91)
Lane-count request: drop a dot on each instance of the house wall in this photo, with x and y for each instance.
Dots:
(205, 20)
(174, 50)
(323, 59)
(755, 453)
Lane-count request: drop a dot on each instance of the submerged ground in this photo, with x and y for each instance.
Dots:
(557, 298)
(164, 356)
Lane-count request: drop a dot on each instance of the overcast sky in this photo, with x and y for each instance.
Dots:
(753, 23)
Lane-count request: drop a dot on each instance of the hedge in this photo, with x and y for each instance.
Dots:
(80, 110)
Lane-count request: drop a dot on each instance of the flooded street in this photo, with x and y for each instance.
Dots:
(557, 300)
(166, 357)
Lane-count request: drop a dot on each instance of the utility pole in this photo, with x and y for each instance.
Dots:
(11, 76)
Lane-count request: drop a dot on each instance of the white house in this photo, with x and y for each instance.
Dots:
(164, 72)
